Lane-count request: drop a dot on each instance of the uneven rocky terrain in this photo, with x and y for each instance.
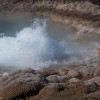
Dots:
(80, 83)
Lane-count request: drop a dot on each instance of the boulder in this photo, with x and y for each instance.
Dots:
(20, 84)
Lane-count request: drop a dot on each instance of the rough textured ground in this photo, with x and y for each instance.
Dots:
(49, 84)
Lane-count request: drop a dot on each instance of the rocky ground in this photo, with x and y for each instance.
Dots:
(78, 83)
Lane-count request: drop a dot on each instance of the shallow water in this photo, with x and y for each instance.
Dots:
(39, 42)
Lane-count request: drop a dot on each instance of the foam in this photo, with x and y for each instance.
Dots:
(31, 47)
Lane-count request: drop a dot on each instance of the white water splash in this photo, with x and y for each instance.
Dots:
(30, 47)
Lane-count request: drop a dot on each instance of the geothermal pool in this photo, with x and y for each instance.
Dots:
(41, 43)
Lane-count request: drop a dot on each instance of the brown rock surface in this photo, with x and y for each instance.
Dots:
(92, 96)
(61, 92)
(73, 80)
(20, 84)
(74, 73)
(95, 80)
(57, 78)
(30, 85)
(46, 72)
(92, 71)
(47, 84)
(63, 71)
(83, 14)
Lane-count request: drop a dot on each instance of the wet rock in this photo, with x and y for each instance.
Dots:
(20, 84)
(57, 78)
